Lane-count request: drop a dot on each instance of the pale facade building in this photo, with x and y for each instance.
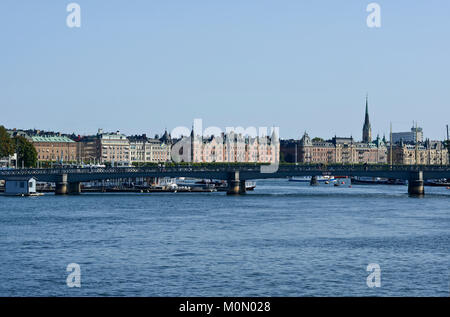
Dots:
(114, 148)
(148, 150)
(233, 147)
(428, 153)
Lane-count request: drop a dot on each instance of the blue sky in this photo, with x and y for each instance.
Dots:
(142, 66)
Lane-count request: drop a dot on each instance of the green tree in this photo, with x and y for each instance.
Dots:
(6, 143)
(317, 139)
(26, 152)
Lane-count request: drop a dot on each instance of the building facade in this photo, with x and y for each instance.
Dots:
(416, 134)
(338, 150)
(425, 153)
(88, 149)
(55, 148)
(114, 148)
(9, 161)
(234, 148)
(150, 150)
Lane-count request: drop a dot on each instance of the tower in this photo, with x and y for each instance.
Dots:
(367, 129)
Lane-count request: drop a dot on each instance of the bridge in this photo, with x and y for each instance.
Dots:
(68, 179)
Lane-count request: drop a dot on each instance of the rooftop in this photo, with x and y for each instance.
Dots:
(60, 139)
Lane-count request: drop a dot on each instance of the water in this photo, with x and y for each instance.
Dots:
(283, 239)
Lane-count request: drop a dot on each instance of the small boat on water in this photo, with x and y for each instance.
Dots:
(437, 183)
(376, 181)
(306, 179)
(222, 185)
(24, 195)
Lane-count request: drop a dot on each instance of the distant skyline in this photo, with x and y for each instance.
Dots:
(143, 66)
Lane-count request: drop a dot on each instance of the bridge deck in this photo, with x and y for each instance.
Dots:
(217, 171)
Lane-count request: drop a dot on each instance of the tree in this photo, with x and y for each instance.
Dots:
(26, 152)
(6, 143)
(317, 139)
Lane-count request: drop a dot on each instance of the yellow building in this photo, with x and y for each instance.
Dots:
(428, 153)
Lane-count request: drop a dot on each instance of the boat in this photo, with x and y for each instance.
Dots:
(24, 194)
(437, 183)
(223, 186)
(376, 181)
(307, 179)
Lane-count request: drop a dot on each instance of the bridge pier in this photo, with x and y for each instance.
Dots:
(235, 185)
(61, 186)
(74, 188)
(415, 184)
(242, 188)
(313, 181)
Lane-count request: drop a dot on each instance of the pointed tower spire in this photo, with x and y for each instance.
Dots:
(367, 129)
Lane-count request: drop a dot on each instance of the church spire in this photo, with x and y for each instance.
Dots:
(367, 129)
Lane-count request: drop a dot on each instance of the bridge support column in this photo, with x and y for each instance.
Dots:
(242, 188)
(415, 184)
(61, 186)
(313, 181)
(234, 183)
(74, 188)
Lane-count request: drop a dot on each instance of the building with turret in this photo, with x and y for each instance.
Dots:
(340, 150)
(422, 153)
(150, 150)
(234, 147)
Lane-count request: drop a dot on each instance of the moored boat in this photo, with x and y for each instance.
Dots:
(306, 179)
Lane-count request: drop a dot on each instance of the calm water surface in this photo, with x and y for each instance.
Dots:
(283, 239)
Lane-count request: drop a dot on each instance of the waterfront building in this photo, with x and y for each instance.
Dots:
(234, 147)
(9, 161)
(337, 150)
(20, 186)
(340, 150)
(54, 148)
(138, 147)
(413, 136)
(160, 150)
(427, 153)
(212, 149)
(150, 150)
(88, 149)
(114, 148)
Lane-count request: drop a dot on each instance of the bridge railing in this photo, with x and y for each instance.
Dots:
(220, 168)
